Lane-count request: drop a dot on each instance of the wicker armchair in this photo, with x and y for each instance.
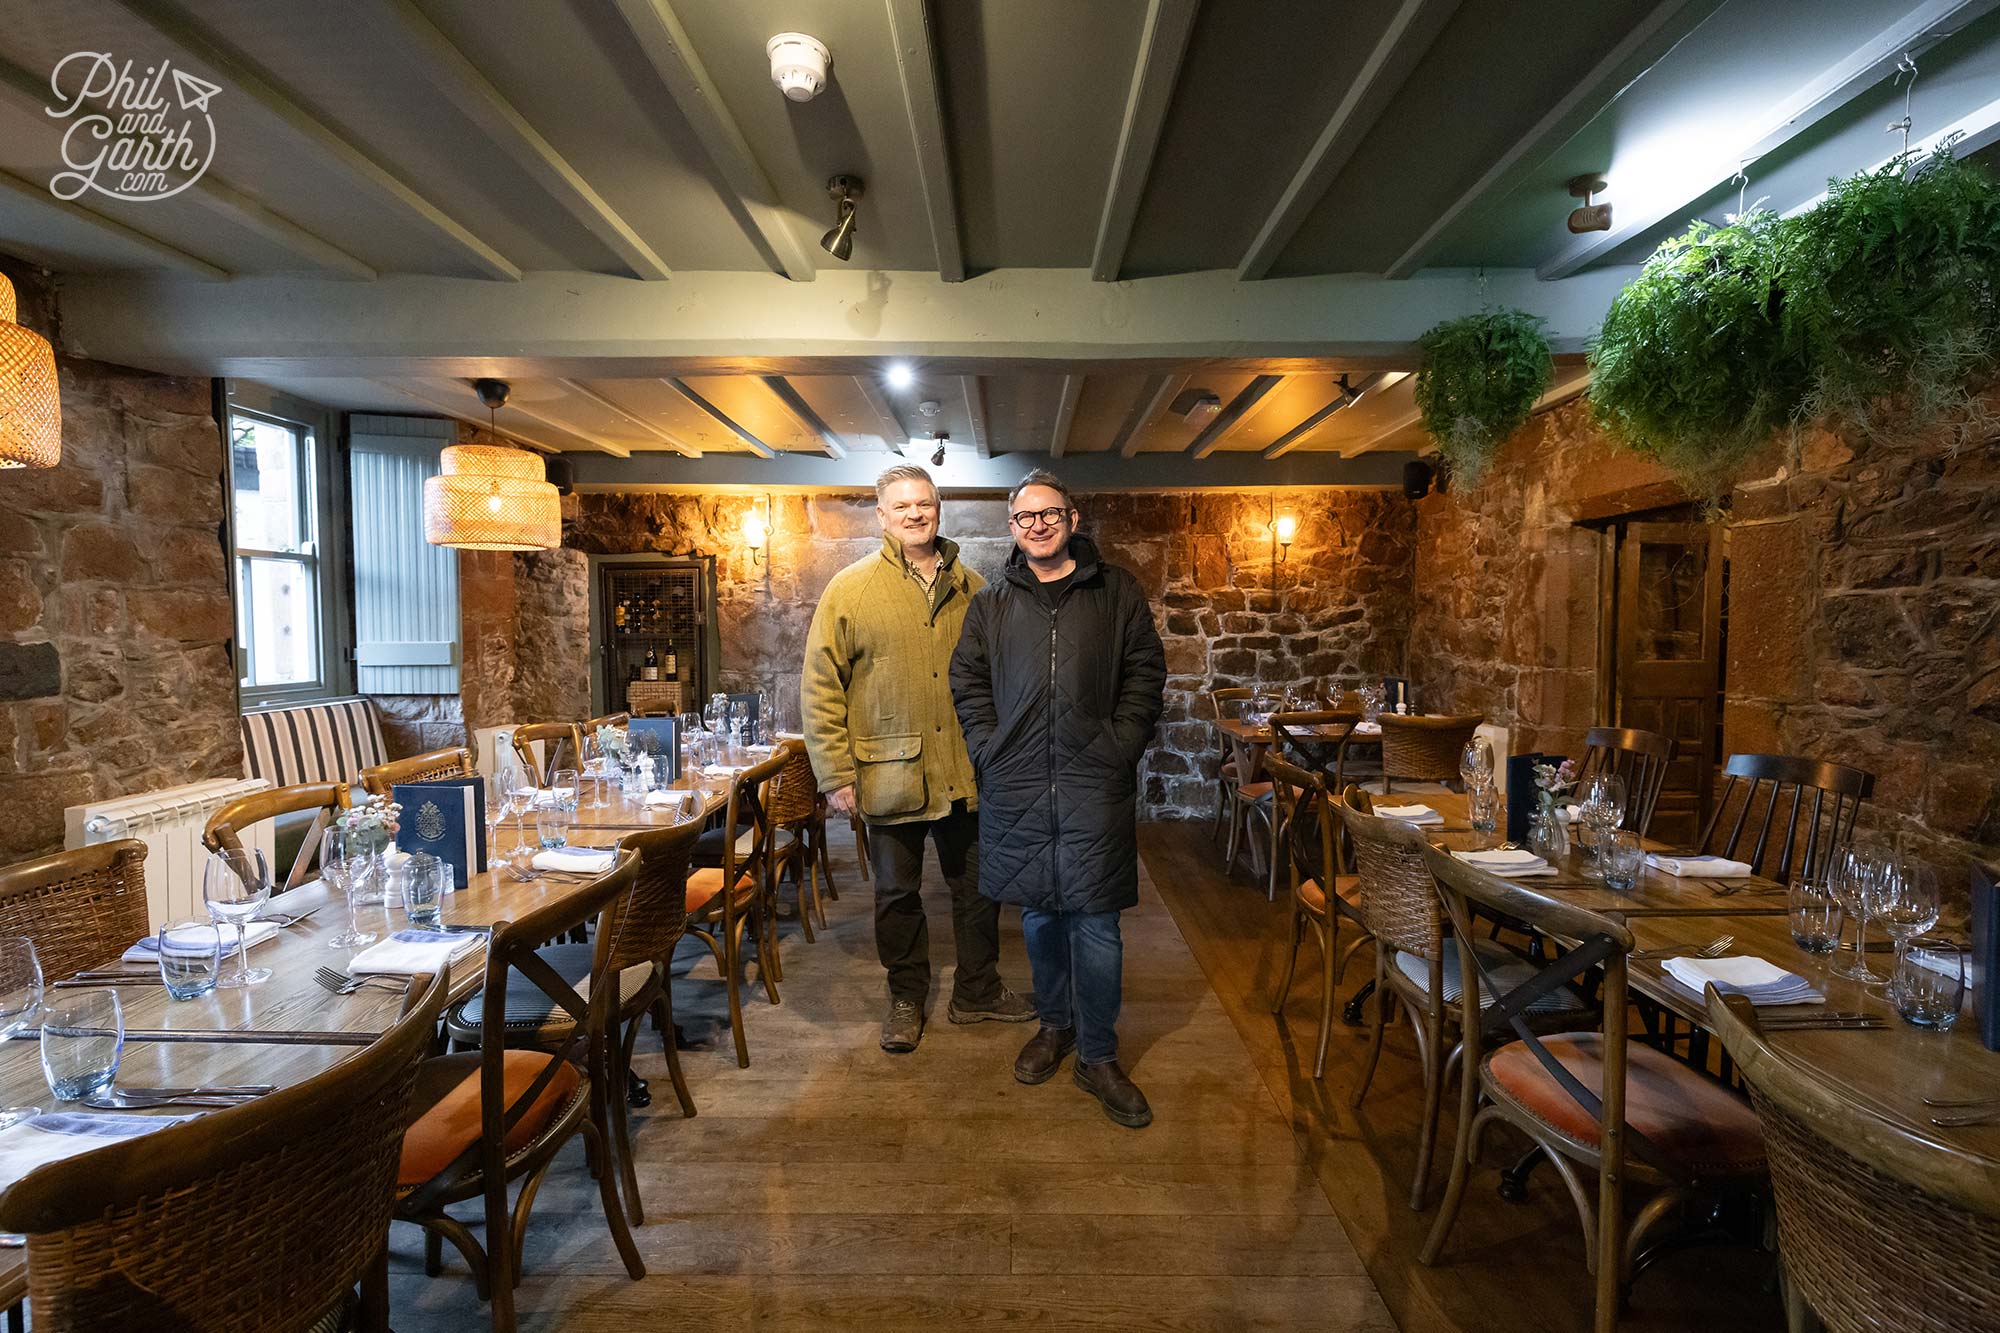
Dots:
(457, 763)
(1321, 894)
(81, 908)
(148, 1232)
(1424, 749)
(326, 800)
(562, 747)
(1879, 1226)
(795, 805)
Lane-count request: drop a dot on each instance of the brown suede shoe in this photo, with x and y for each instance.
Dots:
(1043, 1055)
(1122, 1100)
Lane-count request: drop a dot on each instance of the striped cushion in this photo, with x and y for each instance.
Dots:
(327, 742)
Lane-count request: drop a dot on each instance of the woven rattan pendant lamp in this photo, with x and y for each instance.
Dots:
(30, 415)
(492, 498)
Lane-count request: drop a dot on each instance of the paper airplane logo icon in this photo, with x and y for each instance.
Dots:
(194, 93)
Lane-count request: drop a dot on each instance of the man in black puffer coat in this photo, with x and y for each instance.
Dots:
(1058, 682)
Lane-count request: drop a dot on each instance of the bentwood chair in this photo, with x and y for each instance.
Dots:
(1424, 749)
(1639, 757)
(1316, 741)
(562, 747)
(1878, 1226)
(1228, 701)
(1248, 794)
(148, 1232)
(82, 908)
(794, 802)
(456, 763)
(1321, 893)
(486, 1118)
(619, 720)
(1419, 964)
(1592, 1099)
(1837, 794)
(734, 892)
(224, 831)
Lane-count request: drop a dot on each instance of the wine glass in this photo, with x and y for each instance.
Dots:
(717, 713)
(20, 1004)
(598, 764)
(342, 862)
(1601, 804)
(235, 884)
(566, 786)
(1853, 873)
(1905, 899)
(1475, 762)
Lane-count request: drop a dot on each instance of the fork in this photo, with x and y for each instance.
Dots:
(1987, 1117)
(342, 984)
(1715, 948)
(1961, 1103)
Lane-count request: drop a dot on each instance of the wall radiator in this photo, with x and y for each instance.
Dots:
(169, 822)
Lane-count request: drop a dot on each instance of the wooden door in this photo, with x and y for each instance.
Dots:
(1667, 675)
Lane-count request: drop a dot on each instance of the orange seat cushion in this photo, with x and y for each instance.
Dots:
(452, 1123)
(1254, 791)
(1347, 887)
(704, 884)
(1696, 1123)
(1229, 768)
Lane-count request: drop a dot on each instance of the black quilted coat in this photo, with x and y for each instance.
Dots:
(1058, 707)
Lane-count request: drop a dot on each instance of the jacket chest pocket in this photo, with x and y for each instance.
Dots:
(889, 774)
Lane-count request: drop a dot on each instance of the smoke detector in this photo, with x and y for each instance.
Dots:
(798, 65)
(930, 407)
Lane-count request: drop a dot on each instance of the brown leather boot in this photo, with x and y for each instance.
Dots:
(1122, 1100)
(1043, 1055)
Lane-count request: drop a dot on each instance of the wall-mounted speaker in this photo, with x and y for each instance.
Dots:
(562, 473)
(1416, 479)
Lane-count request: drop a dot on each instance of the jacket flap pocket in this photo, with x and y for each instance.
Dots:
(879, 749)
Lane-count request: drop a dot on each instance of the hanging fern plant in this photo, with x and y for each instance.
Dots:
(1479, 381)
(1691, 367)
(1894, 293)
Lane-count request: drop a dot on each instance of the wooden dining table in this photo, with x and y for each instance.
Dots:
(304, 1027)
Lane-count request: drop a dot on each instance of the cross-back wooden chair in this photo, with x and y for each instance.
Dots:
(82, 908)
(562, 747)
(733, 892)
(147, 1231)
(1878, 1226)
(224, 830)
(1322, 892)
(1418, 960)
(794, 802)
(1837, 793)
(1591, 1098)
(1424, 749)
(488, 1117)
(1639, 757)
(1227, 700)
(620, 720)
(454, 763)
(1315, 740)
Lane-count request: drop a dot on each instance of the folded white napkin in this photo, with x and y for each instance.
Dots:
(408, 952)
(669, 796)
(1508, 863)
(1410, 814)
(1700, 867)
(1368, 728)
(1759, 981)
(577, 860)
(194, 940)
(726, 770)
(50, 1138)
(765, 750)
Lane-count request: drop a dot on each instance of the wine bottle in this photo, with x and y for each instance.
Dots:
(618, 615)
(651, 671)
(672, 664)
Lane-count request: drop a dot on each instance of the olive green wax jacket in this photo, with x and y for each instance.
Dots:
(875, 693)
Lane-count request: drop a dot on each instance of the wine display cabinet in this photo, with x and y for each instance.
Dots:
(659, 610)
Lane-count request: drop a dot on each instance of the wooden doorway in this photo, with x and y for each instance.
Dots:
(1667, 593)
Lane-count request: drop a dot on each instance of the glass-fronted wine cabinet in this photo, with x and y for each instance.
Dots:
(653, 619)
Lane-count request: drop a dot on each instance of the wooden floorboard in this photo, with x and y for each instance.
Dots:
(832, 1186)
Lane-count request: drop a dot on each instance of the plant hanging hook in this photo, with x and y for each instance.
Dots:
(1742, 179)
(1907, 65)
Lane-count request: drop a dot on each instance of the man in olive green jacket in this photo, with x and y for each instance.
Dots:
(879, 721)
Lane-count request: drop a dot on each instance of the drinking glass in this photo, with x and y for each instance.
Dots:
(552, 825)
(762, 730)
(343, 861)
(598, 765)
(190, 958)
(1482, 803)
(1371, 702)
(20, 1003)
(1905, 900)
(566, 787)
(83, 1039)
(716, 715)
(1621, 854)
(425, 879)
(1475, 762)
(235, 885)
(1928, 985)
(1854, 870)
(1815, 914)
(521, 861)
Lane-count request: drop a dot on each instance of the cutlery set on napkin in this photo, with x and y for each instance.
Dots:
(576, 860)
(1760, 982)
(1698, 867)
(1410, 814)
(1508, 862)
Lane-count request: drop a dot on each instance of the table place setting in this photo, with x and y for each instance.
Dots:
(1698, 867)
(411, 952)
(1762, 983)
(669, 797)
(1417, 813)
(1508, 862)
(576, 860)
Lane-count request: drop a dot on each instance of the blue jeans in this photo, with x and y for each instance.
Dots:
(1078, 961)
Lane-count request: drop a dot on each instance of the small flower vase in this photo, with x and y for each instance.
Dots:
(1548, 833)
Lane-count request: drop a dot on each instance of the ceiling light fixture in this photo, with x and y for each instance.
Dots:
(1590, 217)
(491, 497)
(937, 455)
(900, 375)
(30, 412)
(798, 65)
(843, 190)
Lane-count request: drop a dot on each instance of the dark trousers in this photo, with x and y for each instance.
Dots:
(903, 935)
(1079, 961)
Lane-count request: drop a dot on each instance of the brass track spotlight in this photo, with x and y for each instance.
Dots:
(843, 190)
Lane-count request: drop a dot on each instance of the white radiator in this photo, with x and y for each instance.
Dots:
(169, 822)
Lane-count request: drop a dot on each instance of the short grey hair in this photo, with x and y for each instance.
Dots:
(1042, 477)
(902, 472)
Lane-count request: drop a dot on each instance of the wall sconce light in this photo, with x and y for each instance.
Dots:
(757, 532)
(1285, 528)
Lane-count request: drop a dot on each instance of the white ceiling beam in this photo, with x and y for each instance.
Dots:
(546, 418)
(1679, 183)
(1410, 32)
(799, 410)
(749, 194)
(1072, 393)
(438, 404)
(1154, 395)
(1387, 431)
(1241, 410)
(1568, 383)
(916, 65)
(1162, 43)
(975, 412)
(1641, 48)
(1298, 434)
(668, 438)
(171, 256)
(474, 94)
(728, 423)
(245, 79)
(894, 433)
(1973, 131)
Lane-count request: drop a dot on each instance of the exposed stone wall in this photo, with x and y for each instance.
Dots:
(116, 673)
(1340, 606)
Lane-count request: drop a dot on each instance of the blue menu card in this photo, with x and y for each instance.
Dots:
(666, 732)
(447, 818)
(1984, 979)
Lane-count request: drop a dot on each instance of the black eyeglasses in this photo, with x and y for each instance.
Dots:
(1047, 518)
